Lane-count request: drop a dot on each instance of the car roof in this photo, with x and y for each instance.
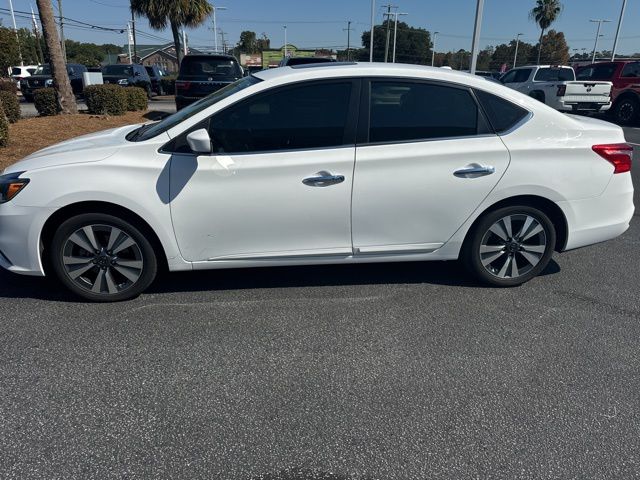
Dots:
(209, 55)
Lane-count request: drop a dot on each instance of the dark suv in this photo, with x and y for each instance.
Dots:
(127, 75)
(42, 78)
(201, 75)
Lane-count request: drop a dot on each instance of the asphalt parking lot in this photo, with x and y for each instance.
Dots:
(400, 371)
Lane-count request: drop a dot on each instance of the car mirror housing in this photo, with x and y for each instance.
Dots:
(199, 141)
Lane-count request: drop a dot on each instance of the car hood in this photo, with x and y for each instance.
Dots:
(87, 148)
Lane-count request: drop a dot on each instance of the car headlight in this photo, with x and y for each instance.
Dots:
(123, 81)
(48, 83)
(11, 185)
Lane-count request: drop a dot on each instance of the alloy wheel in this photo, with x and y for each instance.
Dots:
(513, 246)
(102, 259)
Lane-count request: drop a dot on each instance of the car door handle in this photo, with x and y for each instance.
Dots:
(475, 170)
(323, 179)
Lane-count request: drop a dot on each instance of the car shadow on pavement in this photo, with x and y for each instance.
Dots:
(435, 273)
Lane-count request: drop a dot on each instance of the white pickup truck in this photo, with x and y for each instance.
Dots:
(558, 88)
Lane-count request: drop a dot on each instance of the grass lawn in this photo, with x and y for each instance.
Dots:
(32, 134)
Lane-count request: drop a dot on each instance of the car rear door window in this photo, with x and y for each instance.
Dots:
(602, 72)
(291, 118)
(517, 76)
(631, 70)
(502, 114)
(406, 111)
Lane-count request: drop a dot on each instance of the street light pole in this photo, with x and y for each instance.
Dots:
(615, 42)
(595, 46)
(475, 47)
(15, 30)
(286, 53)
(395, 35)
(515, 57)
(62, 40)
(433, 50)
(373, 19)
(215, 25)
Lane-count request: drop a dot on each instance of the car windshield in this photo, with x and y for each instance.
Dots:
(555, 75)
(152, 130)
(597, 72)
(118, 70)
(194, 67)
(43, 70)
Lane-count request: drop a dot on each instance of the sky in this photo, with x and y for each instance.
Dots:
(314, 24)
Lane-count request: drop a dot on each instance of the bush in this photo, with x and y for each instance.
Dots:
(4, 129)
(136, 99)
(8, 86)
(46, 102)
(10, 105)
(168, 84)
(106, 99)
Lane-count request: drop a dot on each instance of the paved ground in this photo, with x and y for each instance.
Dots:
(162, 104)
(404, 371)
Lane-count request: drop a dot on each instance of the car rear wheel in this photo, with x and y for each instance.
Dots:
(510, 246)
(102, 258)
(626, 111)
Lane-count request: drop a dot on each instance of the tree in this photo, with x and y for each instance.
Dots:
(9, 53)
(61, 82)
(413, 45)
(555, 50)
(503, 54)
(173, 13)
(248, 42)
(544, 14)
(263, 43)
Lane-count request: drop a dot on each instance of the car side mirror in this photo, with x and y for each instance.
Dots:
(199, 141)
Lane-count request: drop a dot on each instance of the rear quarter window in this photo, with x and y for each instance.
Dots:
(502, 114)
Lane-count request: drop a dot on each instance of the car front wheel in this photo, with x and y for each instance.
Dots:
(102, 258)
(510, 246)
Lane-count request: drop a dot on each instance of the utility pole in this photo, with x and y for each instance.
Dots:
(373, 19)
(133, 29)
(348, 30)
(475, 47)
(515, 57)
(595, 46)
(62, 41)
(615, 42)
(215, 25)
(433, 50)
(15, 30)
(395, 35)
(388, 15)
(185, 47)
(129, 42)
(286, 53)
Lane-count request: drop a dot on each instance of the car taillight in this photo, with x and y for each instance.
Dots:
(181, 85)
(562, 89)
(618, 154)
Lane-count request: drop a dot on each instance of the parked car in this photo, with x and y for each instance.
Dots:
(201, 75)
(42, 78)
(155, 74)
(127, 75)
(291, 61)
(19, 72)
(625, 76)
(557, 87)
(282, 168)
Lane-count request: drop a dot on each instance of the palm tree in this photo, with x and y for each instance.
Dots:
(61, 83)
(173, 13)
(544, 14)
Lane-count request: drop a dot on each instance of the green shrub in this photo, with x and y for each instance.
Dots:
(136, 99)
(46, 102)
(106, 99)
(4, 129)
(8, 86)
(10, 105)
(168, 84)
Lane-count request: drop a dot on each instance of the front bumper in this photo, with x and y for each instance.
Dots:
(20, 229)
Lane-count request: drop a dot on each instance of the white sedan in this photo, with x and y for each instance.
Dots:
(343, 163)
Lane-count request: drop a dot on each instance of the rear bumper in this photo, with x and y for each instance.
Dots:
(601, 218)
(183, 101)
(20, 229)
(580, 106)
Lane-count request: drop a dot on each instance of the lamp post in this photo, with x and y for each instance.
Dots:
(595, 46)
(215, 25)
(615, 42)
(286, 53)
(515, 57)
(475, 47)
(433, 50)
(395, 34)
(373, 19)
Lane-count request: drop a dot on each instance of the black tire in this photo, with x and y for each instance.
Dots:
(514, 247)
(142, 254)
(626, 111)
